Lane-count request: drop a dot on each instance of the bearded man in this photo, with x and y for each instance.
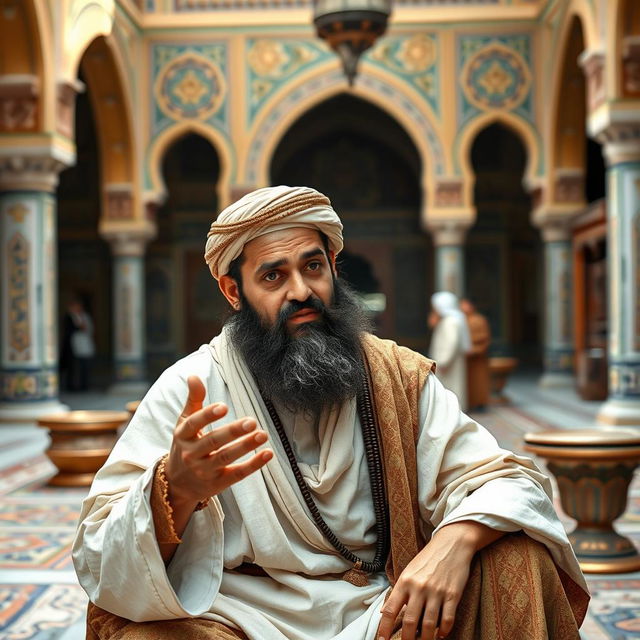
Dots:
(298, 478)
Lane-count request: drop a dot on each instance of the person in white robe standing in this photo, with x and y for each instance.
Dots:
(300, 479)
(450, 343)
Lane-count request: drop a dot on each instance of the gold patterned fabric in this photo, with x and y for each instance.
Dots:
(515, 590)
(397, 376)
(102, 625)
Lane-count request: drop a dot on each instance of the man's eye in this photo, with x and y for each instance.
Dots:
(272, 276)
(314, 266)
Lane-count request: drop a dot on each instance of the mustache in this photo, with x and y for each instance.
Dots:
(312, 303)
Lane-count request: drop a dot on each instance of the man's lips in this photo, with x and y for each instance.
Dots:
(305, 315)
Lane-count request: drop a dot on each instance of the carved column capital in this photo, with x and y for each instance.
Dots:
(568, 187)
(30, 172)
(19, 103)
(554, 222)
(449, 193)
(128, 240)
(119, 201)
(621, 140)
(448, 233)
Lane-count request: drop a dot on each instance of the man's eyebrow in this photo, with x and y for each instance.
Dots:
(312, 252)
(274, 264)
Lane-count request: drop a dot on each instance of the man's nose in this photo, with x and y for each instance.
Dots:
(298, 288)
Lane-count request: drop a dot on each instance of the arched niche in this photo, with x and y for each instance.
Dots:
(164, 141)
(84, 258)
(503, 251)
(184, 306)
(402, 104)
(361, 158)
(529, 137)
(23, 89)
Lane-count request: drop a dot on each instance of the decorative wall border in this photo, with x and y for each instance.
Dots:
(291, 104)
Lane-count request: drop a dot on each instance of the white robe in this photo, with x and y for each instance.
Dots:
(463, 475)
(447, 350)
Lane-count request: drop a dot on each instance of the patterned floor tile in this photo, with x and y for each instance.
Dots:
(30, 612)
(38, 514)
(28, 472)
(35, 550)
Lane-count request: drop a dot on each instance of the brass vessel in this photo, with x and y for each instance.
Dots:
(593, 468)
(81, 442)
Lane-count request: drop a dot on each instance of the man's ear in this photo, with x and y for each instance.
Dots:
(230, 290)
(332, 262)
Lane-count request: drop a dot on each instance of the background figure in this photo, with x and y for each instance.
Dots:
(450, 343)
(478, 384)
(77, 347)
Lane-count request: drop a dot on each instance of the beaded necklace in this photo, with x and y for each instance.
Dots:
(357, 575)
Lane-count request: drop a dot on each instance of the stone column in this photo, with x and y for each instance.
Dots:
(129, 314)
(28, 275)
(558, 308)
(448, 240)
(622, 152)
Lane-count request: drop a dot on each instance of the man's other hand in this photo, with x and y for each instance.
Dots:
(431, 585)
(200, 464)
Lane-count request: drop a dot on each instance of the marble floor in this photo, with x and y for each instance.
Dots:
(39, 595)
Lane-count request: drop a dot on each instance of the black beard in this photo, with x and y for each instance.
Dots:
(318, 365)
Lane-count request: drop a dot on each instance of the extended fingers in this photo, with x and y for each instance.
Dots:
(226, 434)
(191, 426)
(236, 472)
(195, 397)
(237, 448)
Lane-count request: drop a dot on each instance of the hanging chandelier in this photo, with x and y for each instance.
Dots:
(350, 27)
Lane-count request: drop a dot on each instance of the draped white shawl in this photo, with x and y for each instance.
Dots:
(463, 474)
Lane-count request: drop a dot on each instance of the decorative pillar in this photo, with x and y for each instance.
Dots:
(622, 152)
(28, 275)
(129, 313)
(558, 308)
(448, 240)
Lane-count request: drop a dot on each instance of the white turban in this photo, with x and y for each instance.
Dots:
(446, 305)
(266, 210)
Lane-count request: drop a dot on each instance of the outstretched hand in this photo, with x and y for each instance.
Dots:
(431, 586)
(201, 464)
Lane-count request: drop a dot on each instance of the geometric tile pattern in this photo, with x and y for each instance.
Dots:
(495, 73)
(39, 612)
(25, 549)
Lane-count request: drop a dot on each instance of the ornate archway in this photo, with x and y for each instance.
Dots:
(368, 165)
(374, 86)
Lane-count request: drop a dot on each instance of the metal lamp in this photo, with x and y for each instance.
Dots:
(350, 27)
